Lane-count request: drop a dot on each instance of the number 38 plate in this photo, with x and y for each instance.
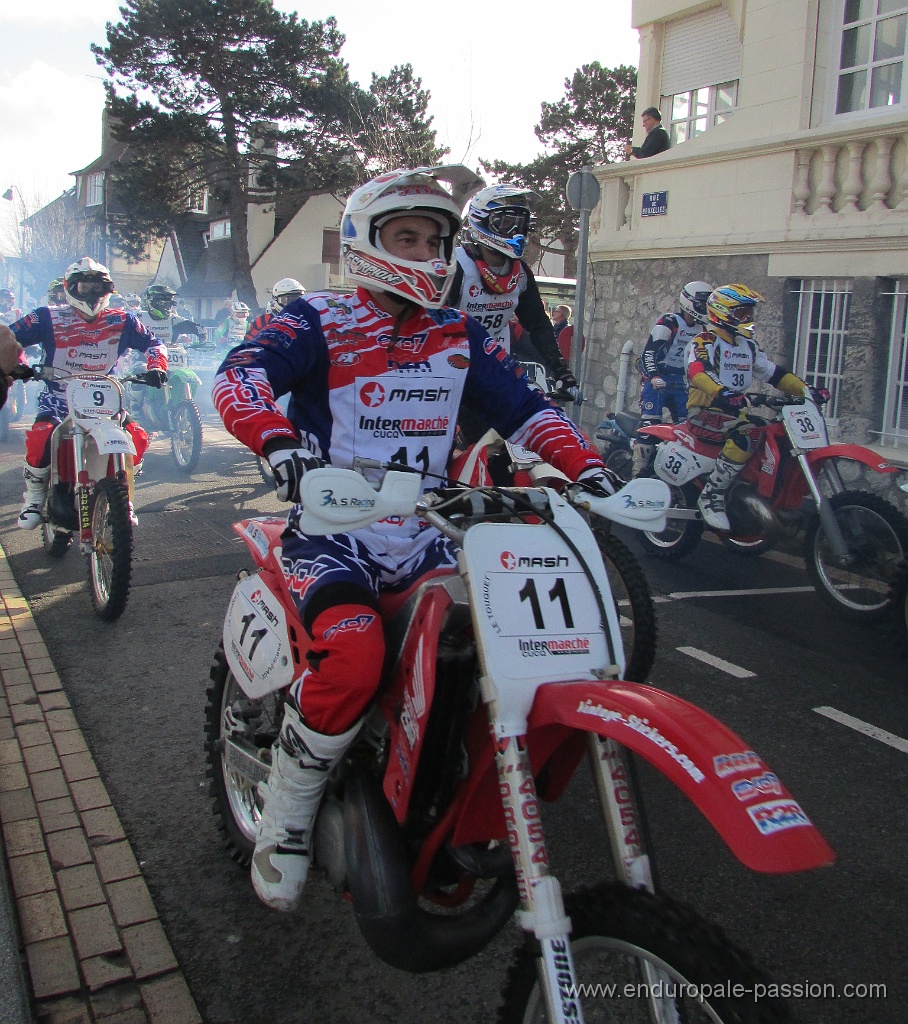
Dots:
(256, 641)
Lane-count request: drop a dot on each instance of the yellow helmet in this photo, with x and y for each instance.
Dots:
(731, 308)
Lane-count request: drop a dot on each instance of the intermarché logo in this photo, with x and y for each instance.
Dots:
(729, 990)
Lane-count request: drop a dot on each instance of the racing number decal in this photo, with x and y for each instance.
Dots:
(737, 380)
(255, 636)
(805, 423)
(557, 593)
(401, 458)
(491, 321)
(674, 465)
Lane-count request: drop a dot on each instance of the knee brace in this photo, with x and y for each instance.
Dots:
(345, 664)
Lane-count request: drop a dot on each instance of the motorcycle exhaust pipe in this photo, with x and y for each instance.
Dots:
(397, 929)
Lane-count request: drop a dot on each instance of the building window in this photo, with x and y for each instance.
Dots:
(691, 113)
(872, 55)
(94, 189)
(331, 249)
(895, 408)
(820, 340)
(198, 200)
(219, 229)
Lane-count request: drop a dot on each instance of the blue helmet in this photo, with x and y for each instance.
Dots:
(501, 217)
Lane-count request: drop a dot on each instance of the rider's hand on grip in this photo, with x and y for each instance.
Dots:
(658, 383)
(567, 382)
(730, 401)
(289, 465)
(600, 481)
(155, 378)
(819, 396)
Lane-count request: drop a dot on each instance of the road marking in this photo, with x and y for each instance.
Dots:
(873, 731)
(682, 595)
(719, 663)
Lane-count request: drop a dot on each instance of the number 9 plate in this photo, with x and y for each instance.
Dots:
(93, 397)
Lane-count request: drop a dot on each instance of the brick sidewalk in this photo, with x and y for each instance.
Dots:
(95, 948)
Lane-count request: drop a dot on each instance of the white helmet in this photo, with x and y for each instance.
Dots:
(286, 290)
(501, 217)
(88, 287)
(239, 311)
(693, 299)
(398, 193)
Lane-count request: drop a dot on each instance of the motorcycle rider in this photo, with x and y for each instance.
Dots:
(84, 335)
(56, 296)
(233, 329)
(663, 381)
(283, 293)
(379, 373)
(9, 312)
(493, 284)
(158, 303)
(722, 364)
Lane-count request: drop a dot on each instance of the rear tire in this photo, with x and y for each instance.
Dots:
(186, 436)
(680, 536)
(876, 533)
(634, 601)
(620, 461)
(110, 561)
(615, 932)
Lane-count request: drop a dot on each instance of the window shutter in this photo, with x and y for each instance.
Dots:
(701, 50)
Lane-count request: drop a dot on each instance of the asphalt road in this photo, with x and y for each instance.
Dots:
(138, 687)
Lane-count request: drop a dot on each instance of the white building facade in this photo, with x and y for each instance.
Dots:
(788, 172)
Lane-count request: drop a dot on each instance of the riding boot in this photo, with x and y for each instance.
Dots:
(642, 456)
(30, 518)
(301, 762)
(712, 499)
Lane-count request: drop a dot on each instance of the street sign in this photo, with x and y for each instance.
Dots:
(583, 190)
(655, 204)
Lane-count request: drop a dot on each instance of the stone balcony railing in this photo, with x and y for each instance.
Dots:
(798, 192)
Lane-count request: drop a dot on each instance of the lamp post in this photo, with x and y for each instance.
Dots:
(8, 195)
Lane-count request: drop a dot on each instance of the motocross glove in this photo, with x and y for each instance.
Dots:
(819, 396)
(289, 465)
(600, 481)
(729, 401)
(154, 378)
(567, 382)
(658, 383)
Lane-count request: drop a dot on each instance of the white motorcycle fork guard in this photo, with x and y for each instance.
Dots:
(95, 443)
(677, 464)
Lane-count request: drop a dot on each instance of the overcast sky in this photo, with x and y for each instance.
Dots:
(487, 75)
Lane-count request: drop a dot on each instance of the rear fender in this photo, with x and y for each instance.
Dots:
(753, 812)
(747, 804)
(658, 431)
(856, 452)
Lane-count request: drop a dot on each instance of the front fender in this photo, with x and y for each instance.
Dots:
(109, 437)
(856, 452)
(745, 802)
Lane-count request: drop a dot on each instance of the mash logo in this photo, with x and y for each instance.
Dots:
(511, 561)
(475, 290)
(372, 394)
(508, 560)
(777, 815)
(257, 600)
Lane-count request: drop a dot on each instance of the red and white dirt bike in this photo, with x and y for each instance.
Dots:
(854, 541)
(498, 679)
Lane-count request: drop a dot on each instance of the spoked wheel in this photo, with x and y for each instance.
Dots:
(110, 561)
(636, 612)
(680, 535)
(620, 461)
(186, 436)
(56, 542)
(239, 733)
(876, 534)
(641, 958)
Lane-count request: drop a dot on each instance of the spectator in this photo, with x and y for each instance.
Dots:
(656, 140)
(221, 315)
(560, 317)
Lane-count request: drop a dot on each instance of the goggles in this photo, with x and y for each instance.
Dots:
(91, 287)
(741, 314)
(286, 298)
(510, 221)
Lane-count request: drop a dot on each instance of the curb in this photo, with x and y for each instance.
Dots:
(95, 949)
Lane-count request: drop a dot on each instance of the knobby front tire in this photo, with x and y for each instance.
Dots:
(680, 536)
(186, 436)
(615, 931)
(110, 561)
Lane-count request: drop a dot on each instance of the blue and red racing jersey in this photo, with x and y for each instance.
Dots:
(354, 394)
(83, 346)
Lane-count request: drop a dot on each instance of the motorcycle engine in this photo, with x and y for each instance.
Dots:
(748, 513)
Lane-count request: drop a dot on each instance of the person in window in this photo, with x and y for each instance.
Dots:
(656, 140)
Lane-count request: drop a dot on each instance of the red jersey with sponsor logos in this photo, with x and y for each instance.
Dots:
(70, 343)
(355, 393)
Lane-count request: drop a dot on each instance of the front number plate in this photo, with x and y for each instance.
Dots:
(256, 641)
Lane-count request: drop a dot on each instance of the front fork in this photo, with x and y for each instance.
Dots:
(828, 519)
